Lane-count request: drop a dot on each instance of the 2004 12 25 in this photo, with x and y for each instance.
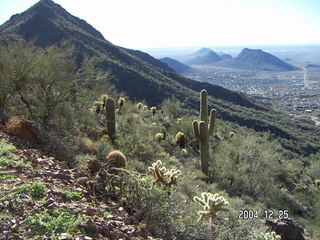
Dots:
(265, 214)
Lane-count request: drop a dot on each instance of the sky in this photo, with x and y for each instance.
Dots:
(142, 24)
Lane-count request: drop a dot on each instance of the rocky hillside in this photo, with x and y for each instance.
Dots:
(42, 198)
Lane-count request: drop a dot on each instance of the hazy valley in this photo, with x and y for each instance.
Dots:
(295, 92)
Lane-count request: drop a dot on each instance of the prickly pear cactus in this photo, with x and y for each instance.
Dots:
(212, 204)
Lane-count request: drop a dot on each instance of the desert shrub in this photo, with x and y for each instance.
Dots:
(314, 169)
(104, 146)
(155, 203)
(172, 108)
(244, 164)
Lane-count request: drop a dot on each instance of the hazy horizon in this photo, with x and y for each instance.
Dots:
(152, 24)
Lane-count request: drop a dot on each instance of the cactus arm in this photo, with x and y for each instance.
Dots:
(199, 200)
(195, 125)
(213, 115)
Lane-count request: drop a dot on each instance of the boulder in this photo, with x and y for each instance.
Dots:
(286, 228)
(24, 129)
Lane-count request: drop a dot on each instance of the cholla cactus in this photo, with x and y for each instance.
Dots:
(121, 101)
(160, 136)
(181, 140)
(97, 106)
(212, 204)
(103, 99)
(153, 110)
(164, 177)
(139, 105)
(265, 236)
(231, 134)
(272, 236)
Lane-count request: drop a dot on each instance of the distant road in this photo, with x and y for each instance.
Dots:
(305, 78)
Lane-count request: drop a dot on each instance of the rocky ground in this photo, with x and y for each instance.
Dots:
(41, 198)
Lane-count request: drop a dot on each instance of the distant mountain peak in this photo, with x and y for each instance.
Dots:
(201, 52)
(208, 58)
(46, 23)
(257, 59)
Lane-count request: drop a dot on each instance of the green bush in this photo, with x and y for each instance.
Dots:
(38, 189)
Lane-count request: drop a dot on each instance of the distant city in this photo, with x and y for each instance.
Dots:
(296, 91)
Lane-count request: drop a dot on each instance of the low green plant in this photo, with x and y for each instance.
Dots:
(8, 177)
(52, 222)
(23, 188)
(5, 147)
(22, 164)
(71, 195)
(38, 189)
(39, 171)
(8, 161)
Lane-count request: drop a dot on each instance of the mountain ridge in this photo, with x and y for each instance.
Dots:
(208, 58)
(256, 59)
(176, 65)
(111, 57)
(137, 74)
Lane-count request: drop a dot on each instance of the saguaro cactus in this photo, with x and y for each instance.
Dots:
(203, 129)
(111, 117)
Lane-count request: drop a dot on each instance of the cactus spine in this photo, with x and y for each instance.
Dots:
(111, 117)
(202, 130)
